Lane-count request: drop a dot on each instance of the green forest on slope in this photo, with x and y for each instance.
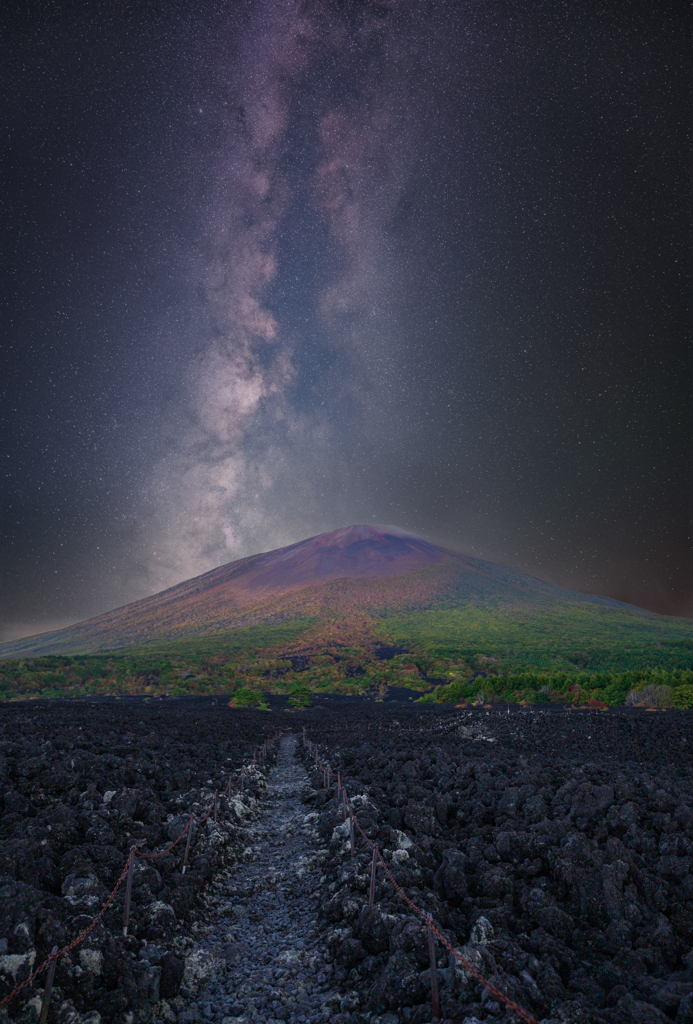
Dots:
(566, 653)
(570, 637)
(247, 679)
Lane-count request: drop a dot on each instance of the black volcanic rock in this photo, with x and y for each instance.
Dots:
(562, 868)
(71, 816)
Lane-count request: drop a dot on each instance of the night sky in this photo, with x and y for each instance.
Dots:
(272, 267)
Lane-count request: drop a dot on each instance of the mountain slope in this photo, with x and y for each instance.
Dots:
(363, 585)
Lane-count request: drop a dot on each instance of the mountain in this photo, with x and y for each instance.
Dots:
(371, 585)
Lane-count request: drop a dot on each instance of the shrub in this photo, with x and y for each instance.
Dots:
(615, 694)
(245, 698)
(683, 697)
(650, 696)
(301, 696)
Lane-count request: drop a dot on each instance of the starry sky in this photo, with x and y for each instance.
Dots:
(271, 267)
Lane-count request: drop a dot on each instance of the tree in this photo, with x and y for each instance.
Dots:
(301, 696)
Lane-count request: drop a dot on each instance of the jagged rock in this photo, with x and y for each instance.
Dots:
(580, 865)
(373, 928)
(400, 984)
(160, 920)
(450, 878)
(66, 832)
(171, 977)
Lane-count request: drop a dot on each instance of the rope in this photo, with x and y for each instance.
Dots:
(90, 927)
(80, 938)
(154, 856)
(523, 1014)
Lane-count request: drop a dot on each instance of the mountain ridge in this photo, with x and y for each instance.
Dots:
(347, 581)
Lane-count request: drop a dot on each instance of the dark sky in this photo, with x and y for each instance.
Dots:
(273, 267)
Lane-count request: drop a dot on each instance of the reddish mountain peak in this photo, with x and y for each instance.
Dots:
(351, 551)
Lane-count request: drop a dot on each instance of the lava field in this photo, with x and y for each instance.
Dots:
(554, 850)
(82, 781)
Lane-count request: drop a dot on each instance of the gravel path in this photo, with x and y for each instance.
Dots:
(262, 950)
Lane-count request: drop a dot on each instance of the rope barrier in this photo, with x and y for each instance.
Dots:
(51, 961)
(67, 949)
(127, 871)
(425, 917)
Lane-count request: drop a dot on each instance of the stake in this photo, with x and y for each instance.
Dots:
(435, 1002)
(339, 784)
(187, 843)
(371, 894)
(48, 990)
(128, 890)
(351, 832)
(344, 804)
(215, 803)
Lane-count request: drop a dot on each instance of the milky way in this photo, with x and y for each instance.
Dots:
(273, 440)
(277, 267)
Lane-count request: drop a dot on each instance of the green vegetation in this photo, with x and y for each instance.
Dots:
(245, 698)
(682, 696)
(471, 613)
(229, 643)
(657, 688)
(189, 641)
(191, 672)
(301, 696)
(568, 636)
(571, 653)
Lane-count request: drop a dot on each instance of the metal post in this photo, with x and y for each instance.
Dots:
(339, 784)
(374, 864)
(187, 843)
(48, 990)
(435, 1002)
(128, 890)
(351, 832)
(215, 803)
(344, 804)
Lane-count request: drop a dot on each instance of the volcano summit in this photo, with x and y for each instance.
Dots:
(366, 586)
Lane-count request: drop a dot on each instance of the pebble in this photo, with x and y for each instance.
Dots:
(264, 937)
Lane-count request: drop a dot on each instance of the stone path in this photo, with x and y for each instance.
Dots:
(268, 962)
